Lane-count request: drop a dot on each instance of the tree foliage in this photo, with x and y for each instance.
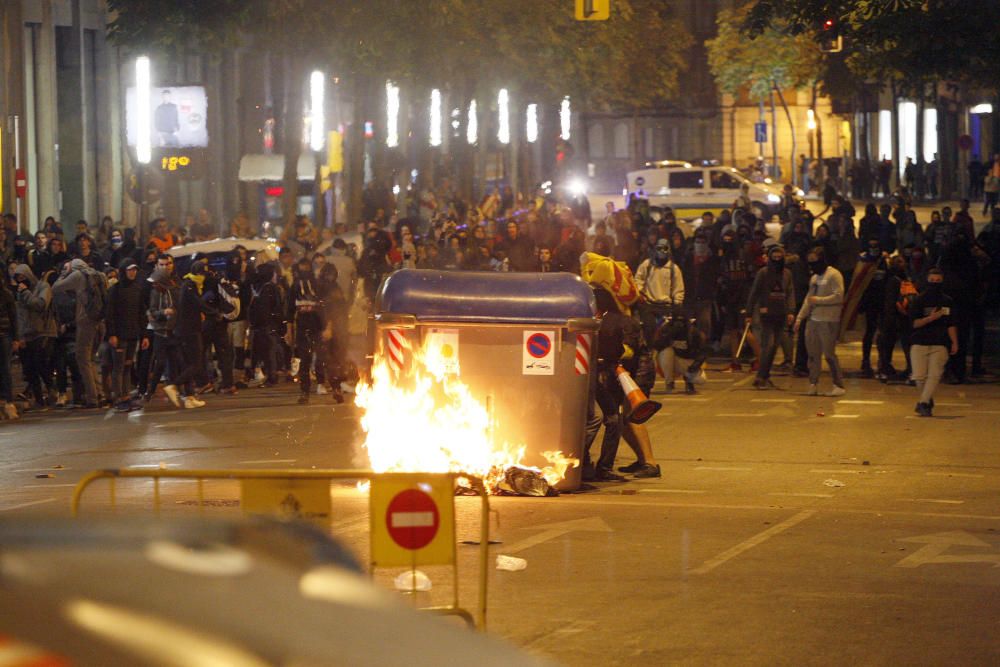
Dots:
(772, 59)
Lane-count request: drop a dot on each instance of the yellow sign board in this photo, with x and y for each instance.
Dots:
(412, 520)
(335, 151)
(593, 10)
(307, 499)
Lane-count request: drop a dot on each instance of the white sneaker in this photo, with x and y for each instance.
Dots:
(813, 390)
(346, 388)
(321, 390)
(837, 391)
(296, 363)
(10, 411)
(259, 376)
(191, 402)
(171, 391)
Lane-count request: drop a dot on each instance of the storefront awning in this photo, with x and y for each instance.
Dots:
(260, 167)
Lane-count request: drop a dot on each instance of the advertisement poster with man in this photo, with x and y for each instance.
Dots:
(177, 115)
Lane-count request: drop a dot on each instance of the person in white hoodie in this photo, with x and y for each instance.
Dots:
(821, 311)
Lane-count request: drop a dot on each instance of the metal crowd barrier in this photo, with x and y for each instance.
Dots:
(391, 545)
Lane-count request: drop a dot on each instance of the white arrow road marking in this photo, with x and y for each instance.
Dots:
(937, 544)
(748, 544)
(29, 504)
(551, 531)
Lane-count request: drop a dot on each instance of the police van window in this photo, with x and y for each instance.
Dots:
(685, 179)
(722, 179)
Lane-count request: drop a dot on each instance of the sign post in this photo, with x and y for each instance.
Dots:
(593, 10)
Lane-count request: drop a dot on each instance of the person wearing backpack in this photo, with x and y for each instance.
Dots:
(267, 323)
(771, 305)
(38, 330)
(222, 303)
(126, 320)
(91, 290)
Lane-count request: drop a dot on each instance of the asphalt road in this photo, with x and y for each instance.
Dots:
(786, 529)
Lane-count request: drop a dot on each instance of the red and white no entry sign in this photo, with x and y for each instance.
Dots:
(412, 519)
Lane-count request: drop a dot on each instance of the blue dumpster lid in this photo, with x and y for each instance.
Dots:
(483, 296)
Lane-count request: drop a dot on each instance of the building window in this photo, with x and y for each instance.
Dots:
(621, 141)
(595, 140)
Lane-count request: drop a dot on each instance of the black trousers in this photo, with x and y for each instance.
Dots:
(609, 399)
(36, 363)
(216, 337)
(307, 348)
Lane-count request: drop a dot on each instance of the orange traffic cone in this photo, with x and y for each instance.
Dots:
(640, 407)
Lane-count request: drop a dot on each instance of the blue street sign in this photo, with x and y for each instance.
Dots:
(760, 133)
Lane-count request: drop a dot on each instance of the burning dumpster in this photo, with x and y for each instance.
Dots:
(486, 373)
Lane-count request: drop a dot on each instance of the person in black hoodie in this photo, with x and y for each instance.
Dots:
(125, 324)
(191, 310)
(215, 332)
(305, 311)
(267, 323)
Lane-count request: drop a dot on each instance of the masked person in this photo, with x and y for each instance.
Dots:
(872, 303)
(617, 339)
(934, 338)
(896, 326)
(305, 313)
(38, 332)
(89, 286)
(267, 322)
(822, 311)
(771, 305)
(661, 285)
(125, 322)
(731, 296)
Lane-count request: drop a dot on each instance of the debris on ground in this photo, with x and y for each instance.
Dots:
(833, 483)
(511, 563)
(412, 580)
(521, 481)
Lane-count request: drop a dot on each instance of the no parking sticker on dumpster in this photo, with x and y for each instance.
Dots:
(538, 354)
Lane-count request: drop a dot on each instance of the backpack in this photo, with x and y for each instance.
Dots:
(907, 290)
(257, 315)
(229, 292)
(95, 302)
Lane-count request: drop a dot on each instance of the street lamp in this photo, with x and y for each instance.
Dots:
(531, 131)
(503, 112)
(811, 128)
(316, 97)
(144, 133)
(392, 114)
(472, 125)
(435, 136)
(565, 118)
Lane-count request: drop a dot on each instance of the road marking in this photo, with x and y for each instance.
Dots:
(181, 424)
(718, 379)
(671, 491)
(49, 469)
(750, 543)
(670, 397)
(31, 504)
(955, 474)
(154, 466)
(263, 461)
(773, 400)
(844, 416)
(849, 402)
(955, 405)
(933, 500)
(937, 544)
(722, 469)
(739, 414)
(551, 531)
(841, 471)
(282, 420)
(986, 412)
(802, 495)
(45, 486)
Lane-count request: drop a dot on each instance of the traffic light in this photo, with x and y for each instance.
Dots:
(831, 40)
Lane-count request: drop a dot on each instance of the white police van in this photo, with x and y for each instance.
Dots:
(692, 188)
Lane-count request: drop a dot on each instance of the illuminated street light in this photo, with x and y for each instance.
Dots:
(435, 137)
(564, 119)
(392, 114)
(144, 104)
(316, 130)
(472, 126)
(810, 119)
(986, 107)
(531, 131)
(503, 111)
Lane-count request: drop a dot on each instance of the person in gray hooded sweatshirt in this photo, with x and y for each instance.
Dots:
(89, 332)
(38, 332)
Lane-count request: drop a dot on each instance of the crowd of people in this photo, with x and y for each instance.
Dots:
(95, 319)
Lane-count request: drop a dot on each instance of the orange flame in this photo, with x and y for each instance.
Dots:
(423, 419)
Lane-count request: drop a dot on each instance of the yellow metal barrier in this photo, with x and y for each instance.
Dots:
(405, 521)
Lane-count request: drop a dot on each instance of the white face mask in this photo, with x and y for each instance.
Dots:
(656, 216)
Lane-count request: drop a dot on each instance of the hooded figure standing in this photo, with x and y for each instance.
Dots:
(88, 285)
(38, 332)
(126, 321)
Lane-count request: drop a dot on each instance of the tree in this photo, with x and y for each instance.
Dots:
(766, 66)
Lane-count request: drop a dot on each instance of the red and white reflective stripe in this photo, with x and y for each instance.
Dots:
(582, 354)
(395, 346)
